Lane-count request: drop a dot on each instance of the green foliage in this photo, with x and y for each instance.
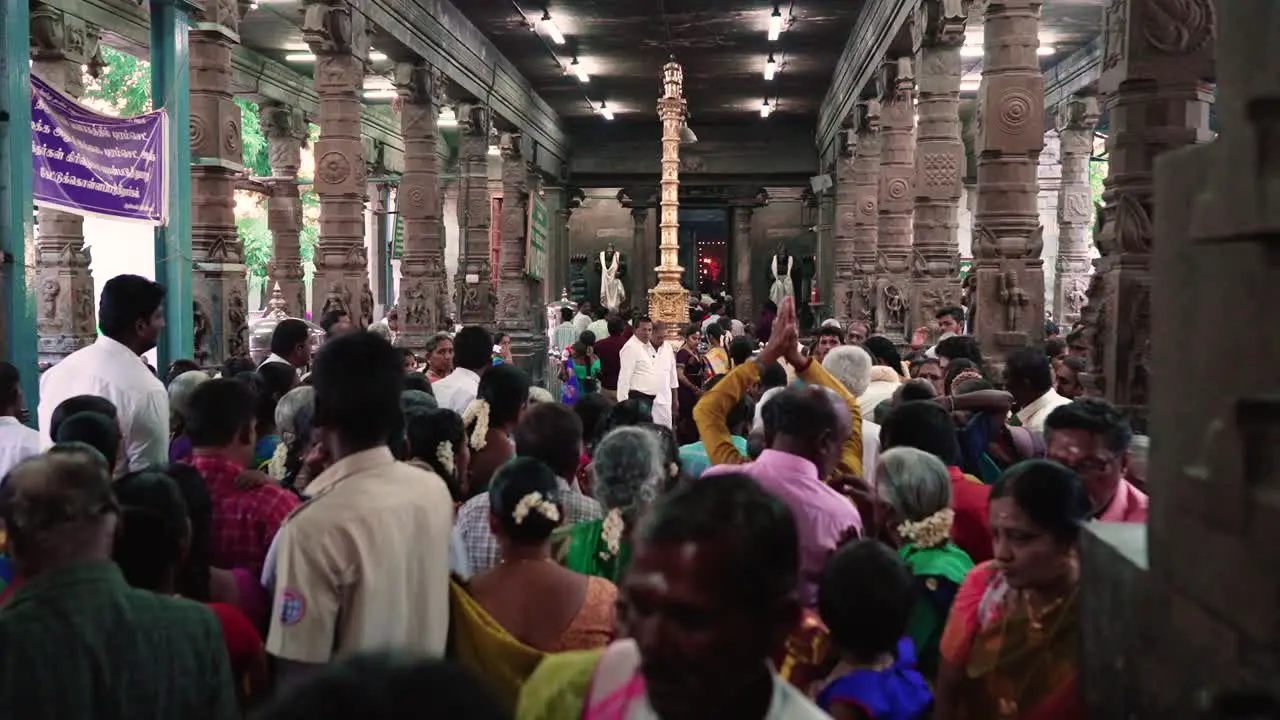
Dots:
(125, 83)
(253, 140)
(256, 238)
(1097, 174)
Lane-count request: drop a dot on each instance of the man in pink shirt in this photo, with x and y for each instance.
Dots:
(1092, 437)
(805, 430)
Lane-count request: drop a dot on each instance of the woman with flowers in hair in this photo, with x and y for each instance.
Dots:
(914, 489)
(438, 441)
(490, 420)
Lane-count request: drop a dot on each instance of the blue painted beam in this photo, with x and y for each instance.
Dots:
(17, 231)
(170, 89)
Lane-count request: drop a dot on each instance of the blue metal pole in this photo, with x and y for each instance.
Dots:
(170, 89)
(17, 231)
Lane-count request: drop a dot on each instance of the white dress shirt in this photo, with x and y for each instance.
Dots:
(457, 390)
(580, 323)
(1032, 416)
(17, 443)
(599, 328)
(870, 450)
(110, 370)
(651, 371)
(274, 358)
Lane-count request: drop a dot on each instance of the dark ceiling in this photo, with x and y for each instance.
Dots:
(623, 44)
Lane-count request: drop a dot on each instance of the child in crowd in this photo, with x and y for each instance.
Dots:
(865, 598)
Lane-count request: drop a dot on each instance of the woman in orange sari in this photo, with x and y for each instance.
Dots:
(1009, 651)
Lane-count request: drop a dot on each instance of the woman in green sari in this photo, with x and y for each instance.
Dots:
(628, 473)
(915, 493)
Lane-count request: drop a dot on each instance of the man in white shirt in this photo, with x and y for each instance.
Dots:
(582, 319)
(130, 318)
(290, 343)
(600, 326)
(17, 441)
(1029, 378)
(648, 371)
(472, 355)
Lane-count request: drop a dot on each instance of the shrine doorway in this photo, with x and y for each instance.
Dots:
(704, 250)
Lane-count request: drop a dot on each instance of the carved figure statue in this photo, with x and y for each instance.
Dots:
(414, 306)
(200, 326)
(50, 289)
(236, 320)
(1076, 297)
(867, 312)
(442, 309)
(895, 306)
(336, 299)
(612, 293)
(783, 286)
(1014, 299)
(366, 304)
(84, 309)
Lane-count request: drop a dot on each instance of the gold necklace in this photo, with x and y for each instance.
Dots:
(1007, 706)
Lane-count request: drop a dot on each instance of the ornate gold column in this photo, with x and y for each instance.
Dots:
(424, 291)
(1077, 119)
(336, 33)
(477, 298)
(897, 200)
(286, 131)
(866, 220)
(940, 164)
(668, 300)
(1007, 235)
(66, 320)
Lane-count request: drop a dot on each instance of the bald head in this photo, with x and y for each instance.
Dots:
(57, 509)
(811, 422)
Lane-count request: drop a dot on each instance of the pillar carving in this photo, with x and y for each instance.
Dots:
(65, 320)
(843, 286)
(1007, 234)
(743, 299)
(477, 297)
(861, 305)
(668, 300)
(335, 31)
(424, 291)
(515, 289)
(940, 164)
(1077, 119)
(1157, 74)
(286, 130)
(897, 200)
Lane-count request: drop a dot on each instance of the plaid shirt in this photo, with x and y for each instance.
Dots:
(481, 547)
(244, 521)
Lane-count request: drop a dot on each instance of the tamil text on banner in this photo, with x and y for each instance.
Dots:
(92, 164)
(535, 251)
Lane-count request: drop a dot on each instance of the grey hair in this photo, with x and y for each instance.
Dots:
(851, 365)
(765, 398)
(434, 341)
(381, 331)
(539, 395)
(181, 388)
(628, 468)
(293, 402)
(914, 483)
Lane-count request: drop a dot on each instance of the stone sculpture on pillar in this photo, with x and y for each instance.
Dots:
(897, 199)
(286, 131)
(1007, 235)
(1157, 77)
(65, 320)
(424, 292)
(335, 31)
(940, 164)
(1077, 119)
(842, 287)
(866, 220)
(515, 291)
(477, 297)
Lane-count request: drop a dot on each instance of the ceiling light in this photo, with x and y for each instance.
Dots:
(775, 24)
(605, 111)
(687, 137)
(765, 109)
(382, 94)
(299, 57)
(375, 56)
(1046, 50)
(972, 51)
(550, 28)
(577, 68)
(447, 118)
(770, 67)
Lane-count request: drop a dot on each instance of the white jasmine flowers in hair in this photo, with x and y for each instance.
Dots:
(611, 533)
(535, 502)
(933, 531)
(444, 456)
(276, 468)
(477, 412)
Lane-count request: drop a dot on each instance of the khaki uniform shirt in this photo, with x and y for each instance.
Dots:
(364, 564)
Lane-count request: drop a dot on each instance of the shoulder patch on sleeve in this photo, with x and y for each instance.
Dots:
(293, 607)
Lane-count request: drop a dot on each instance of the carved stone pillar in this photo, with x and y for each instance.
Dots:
(424, 293)
(843, 287)
(1077, 119)
(66, 321)
(743, 301)
(823, 257)
(477, 298)
(866, 221)
(336, 33)
(940, 164)
(1049, 179)
(1157, 73)
(515, 289)
(897, 201)
(1007, 235)
(286, 131)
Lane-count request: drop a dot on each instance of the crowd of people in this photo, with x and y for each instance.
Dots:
(744, 524)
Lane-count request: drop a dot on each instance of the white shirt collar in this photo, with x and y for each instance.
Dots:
(274, 358)
(1051, 397)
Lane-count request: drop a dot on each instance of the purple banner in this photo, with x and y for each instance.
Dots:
(91, 164)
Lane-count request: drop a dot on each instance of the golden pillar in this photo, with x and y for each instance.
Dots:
(668, 300)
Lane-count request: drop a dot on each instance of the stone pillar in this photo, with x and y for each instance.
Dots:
(897, 201)
(66, 319)
(642, 255)
(336, 33)
(744, 306)
(286, 131)
(515, 290)
(1007, 235)
(477, 298)
(824, 258)
(558, 204)
(940, 165)
(866, 222)
(843, 287)
(1077, 119)
(424, 292)
(1049, 179)
(1157, 72)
